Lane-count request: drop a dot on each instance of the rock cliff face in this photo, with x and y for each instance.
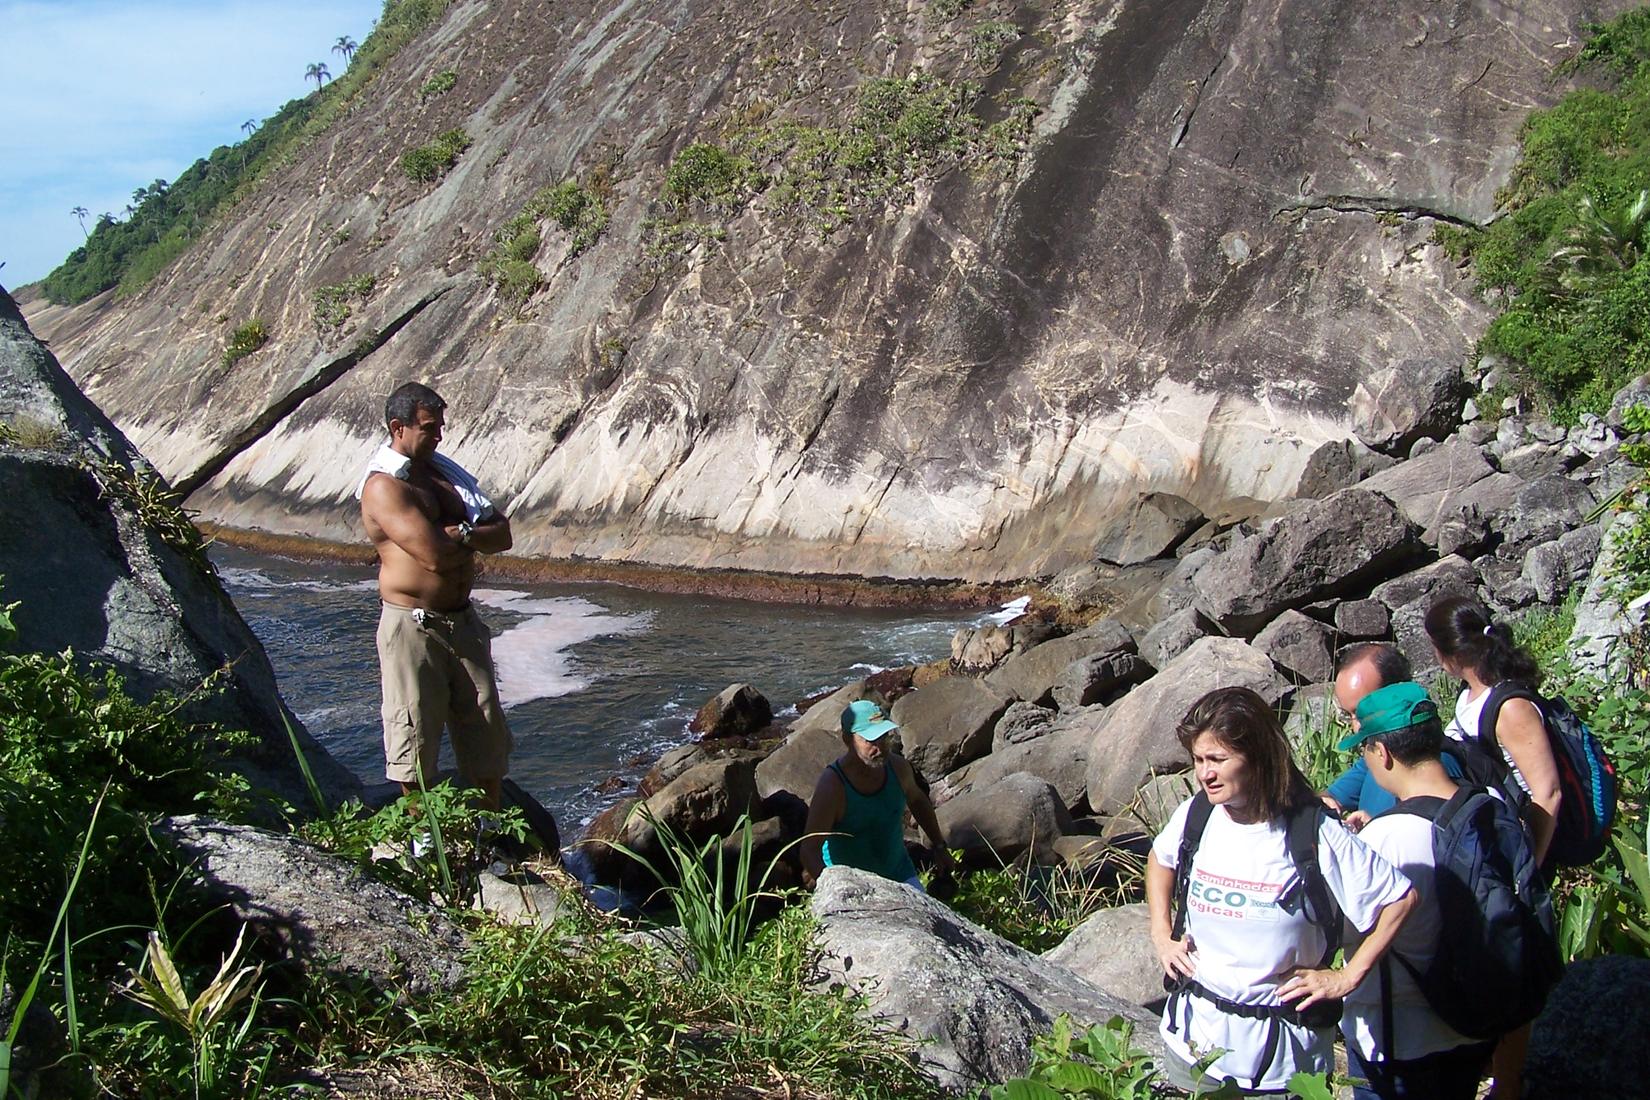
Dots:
(1211, 253)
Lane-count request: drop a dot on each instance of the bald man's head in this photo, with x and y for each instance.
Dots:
(1363, 668)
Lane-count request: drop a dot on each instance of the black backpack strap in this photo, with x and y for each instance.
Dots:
(1499, 695)
(1197, 819)
(1422, 805)
(1302, 841)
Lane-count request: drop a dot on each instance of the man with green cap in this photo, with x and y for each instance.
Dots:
(856, 817)
(1400, 736)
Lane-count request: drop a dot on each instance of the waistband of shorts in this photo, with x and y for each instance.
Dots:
(402, 609)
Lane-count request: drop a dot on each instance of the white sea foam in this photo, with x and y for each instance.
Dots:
(1013, 609)
(532, 655)
(258, 585)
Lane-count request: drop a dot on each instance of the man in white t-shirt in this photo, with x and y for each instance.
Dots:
(1400, 735)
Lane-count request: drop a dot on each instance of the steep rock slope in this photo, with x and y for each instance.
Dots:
(1211, 253)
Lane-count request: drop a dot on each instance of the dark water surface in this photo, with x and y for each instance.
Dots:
(598, 680)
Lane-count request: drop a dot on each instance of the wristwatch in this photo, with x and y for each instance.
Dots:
(465, 530)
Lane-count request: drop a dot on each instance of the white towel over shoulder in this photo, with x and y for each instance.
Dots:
(388, 460)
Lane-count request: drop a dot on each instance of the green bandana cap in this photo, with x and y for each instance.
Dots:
(1394, 707)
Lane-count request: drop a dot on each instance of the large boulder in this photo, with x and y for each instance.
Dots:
(1545, 509)
(973, 1001)
(976, 649)
(1568, 1056)
(1175, 634)
(703, 801)
(1031, 675)
(736, 710)
(1060, 757)
(1599, 643)
(994, 824)
(1113, 949)
(1401, 402)
(1409, 597)
(1098, 678)
(1339, 464)
(1020, 722)
(827, 713)
(948, 723)
(1421, 486)
(1302, 647)
(1319, 550)
(106, 566)
(1136, 738)
(325, 911)
(1153, 526)
(794, 767)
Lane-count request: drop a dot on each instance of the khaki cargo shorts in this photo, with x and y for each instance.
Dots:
(437, 670)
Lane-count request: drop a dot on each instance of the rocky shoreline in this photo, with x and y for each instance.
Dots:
(822, 590)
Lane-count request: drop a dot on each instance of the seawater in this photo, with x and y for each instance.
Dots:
(598, 681)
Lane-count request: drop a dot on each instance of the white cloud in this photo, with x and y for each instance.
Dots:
(104, 96)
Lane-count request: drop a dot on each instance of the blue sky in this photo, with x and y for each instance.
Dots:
(103, 96)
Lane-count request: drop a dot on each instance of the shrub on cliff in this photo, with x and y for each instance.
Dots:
(431, 160)
(1565, 259)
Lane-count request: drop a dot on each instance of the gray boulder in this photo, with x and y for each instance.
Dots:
(1546, 572)
(1545, 509)
(321, 909)
(1581, 549)
(997, 823)
(1178, 592)
(736, 710)
(1357, 620)
(1533, 460)
(976, 649)
(1319, 550)
(705, 800)
(1113, 949)
(1153, 805)
(1020, 722)
(1060, 758)
(1300, 646)
(1411, 595)
(948, 723)
(1599, 641)
(1462, 530)
(1136, 738)
(1174, 635)
(1568, 1056)
(1401, 402)
(1031, 675)
(972, 1000)
(1421, 486)
(1153, 526)
(1339, 464)
(827, 713)
(1098, 678)
(519, 899)
(794, 767)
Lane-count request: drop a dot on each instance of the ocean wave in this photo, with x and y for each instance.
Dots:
(532, 656)
(242, 581)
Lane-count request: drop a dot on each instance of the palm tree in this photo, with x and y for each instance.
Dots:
(80, 213)
(1605, 241)
(346, 46)
(317, 72)
(250, 126)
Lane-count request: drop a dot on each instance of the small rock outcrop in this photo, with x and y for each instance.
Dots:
(1113, 949)
(975, 1000)
(322, 910)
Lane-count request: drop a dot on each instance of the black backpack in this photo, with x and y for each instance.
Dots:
(1309, 889)
(1586, 777)
(1497, 955)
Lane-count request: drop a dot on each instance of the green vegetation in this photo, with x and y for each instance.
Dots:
(1038, 907)
(898, 131)
(1103, 1063)
(431, 160)
(244, 341)
(332, 303)
(28, 432)
(1563, 260)
(990, 39)
(439, 84)
(577, 210)
(156, 505)
(161, 224)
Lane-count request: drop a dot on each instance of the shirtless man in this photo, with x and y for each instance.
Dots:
(434, 653)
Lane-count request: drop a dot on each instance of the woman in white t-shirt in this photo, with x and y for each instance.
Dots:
(1250, 960)
(1481, 652)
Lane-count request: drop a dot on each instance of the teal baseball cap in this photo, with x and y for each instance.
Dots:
(866, 719)
(1394, 707)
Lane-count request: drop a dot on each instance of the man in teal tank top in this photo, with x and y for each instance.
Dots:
(857, 815)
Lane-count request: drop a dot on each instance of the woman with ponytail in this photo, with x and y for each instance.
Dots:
(1481, 652)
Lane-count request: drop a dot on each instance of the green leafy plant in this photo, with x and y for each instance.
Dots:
(214, 1039)
(439, 84)
(156, 505)
(431, 160)
(1038, 907)
(331, 303)
(709, 174)
(714, 899)
(244, 341)
(988, 40)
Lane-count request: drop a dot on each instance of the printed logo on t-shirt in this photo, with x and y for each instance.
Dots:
(1233, 898)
